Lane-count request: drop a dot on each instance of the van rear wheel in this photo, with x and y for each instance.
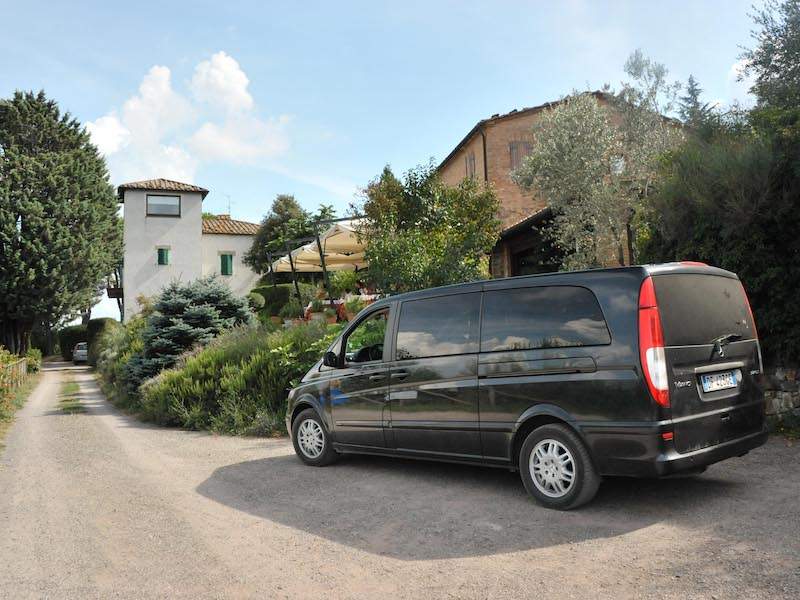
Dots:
(556, 468)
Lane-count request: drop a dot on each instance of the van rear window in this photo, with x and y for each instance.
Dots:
(696, 309)
(542, 317)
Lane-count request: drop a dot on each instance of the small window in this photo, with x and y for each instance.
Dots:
(163, 206)
(469, 159)
(226, 264)
(439, 326)
(542, 317)
(518, 151)
(365, 342)
(163, 256)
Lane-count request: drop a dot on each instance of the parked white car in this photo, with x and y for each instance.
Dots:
(80, 353)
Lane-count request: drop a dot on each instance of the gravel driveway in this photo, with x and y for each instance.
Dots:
(98, 505)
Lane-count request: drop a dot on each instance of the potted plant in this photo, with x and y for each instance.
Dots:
(352, 307)
(330, 315)
(290, 311)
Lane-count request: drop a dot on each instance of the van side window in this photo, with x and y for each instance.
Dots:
(438, 326)
(365, 342)
(542, 317)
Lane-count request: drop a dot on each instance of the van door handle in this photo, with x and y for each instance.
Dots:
(400, 375)
(377, 377)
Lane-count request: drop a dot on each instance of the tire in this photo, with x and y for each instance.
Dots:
(315, 455)
(559, 453)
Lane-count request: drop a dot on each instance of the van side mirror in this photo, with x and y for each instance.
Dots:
(329, 359)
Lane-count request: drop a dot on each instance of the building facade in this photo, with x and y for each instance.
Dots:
(167, 238)
(491, 151)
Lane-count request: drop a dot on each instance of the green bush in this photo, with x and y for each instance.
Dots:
(343, 282)
(93, 329)
(276, 297)
(256, 301)
(291, 310)
(69, 336)
(34, 356)
(185, 315)
(115, 348)
(237, 383)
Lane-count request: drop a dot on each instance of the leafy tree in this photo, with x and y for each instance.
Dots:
(595, 161)
(775, 60)
(59, 232)
(730, 198)
(184, 316)
(286, 221)
(421, 233)
(692, 110)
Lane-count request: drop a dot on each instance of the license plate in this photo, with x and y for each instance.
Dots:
(718, 381)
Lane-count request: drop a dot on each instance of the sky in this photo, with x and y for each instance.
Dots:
(255, 99)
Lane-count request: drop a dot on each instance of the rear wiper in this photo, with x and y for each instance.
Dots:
(724, 340)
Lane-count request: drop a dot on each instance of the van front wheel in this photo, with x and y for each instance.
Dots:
(311, 440)
(556, 468)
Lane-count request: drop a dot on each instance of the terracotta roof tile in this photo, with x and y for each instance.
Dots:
(224, 225)
(161, 185)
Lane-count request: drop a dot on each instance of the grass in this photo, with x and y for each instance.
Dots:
(8, 409)
(69, 400)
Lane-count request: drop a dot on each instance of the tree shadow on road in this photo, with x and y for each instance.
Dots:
(413, 510)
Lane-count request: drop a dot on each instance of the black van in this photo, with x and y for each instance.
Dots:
(637, 371)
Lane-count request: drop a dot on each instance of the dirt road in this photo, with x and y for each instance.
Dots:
(98, 505)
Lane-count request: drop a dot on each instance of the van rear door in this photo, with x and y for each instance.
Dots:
(713, 357)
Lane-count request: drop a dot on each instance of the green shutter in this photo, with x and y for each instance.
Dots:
(163, 256)
(226, 264)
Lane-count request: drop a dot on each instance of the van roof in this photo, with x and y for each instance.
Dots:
(575, 276)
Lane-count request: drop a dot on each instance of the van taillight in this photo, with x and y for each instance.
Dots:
(651, 344)
(755, 330)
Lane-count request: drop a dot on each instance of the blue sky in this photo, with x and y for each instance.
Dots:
(253, 99)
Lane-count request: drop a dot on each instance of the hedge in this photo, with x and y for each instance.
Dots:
(69, 336)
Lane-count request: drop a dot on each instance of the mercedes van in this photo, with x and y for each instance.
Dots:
(638, 371)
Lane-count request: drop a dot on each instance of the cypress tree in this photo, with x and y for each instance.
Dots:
(59, 232)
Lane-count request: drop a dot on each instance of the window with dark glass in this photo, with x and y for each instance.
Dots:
(163, 256)
(439, 326)
(542, 317)
(365, 342)
(163, 206)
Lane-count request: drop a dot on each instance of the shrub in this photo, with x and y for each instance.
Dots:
(256, 301)
(115, 348)
(93, 330)
(276, 297)
(238, 382)
(69, 336)
(184, 315)
(291, 310)
(343, 282)
(34, 356)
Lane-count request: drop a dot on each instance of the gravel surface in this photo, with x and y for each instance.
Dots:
(99, 505)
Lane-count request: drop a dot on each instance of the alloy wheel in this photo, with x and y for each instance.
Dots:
(552, 468)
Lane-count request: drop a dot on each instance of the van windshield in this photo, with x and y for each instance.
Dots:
(698, 309)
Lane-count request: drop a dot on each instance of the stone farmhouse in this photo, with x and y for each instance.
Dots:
(491, 151)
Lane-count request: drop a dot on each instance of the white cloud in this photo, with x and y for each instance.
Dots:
(221, 82)
(159, 132)
(243, 139)
(138, 140)
(739, 84)
(108, 133)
